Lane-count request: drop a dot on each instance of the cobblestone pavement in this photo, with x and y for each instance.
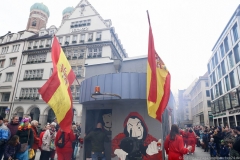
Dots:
(199, 154)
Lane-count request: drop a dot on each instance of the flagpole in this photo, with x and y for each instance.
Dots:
(148, 18)
(77, 80)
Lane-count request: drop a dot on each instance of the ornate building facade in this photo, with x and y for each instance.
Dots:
(85, 37)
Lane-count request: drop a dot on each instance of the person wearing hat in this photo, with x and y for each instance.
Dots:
(48, 142)
(5, 134)
(25, 134)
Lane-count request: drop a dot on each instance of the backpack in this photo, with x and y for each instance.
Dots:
(60, 142)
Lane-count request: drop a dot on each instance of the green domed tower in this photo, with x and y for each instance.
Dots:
(38, 17)
(66, 13)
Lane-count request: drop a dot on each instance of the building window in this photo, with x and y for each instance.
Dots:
(82, 38)
(235, 32)
(51, 72)
(216, 106)
(34, 23)
(213, 108)
(36, 74)
(222, 50)
(37, 58)
(230, 60)
(236, 53)
(221, 104)
(219, 72)
(207, 93)
(209, 103)
(41, 34)
(90, 37)
(223, 68)
(60, 40)
(2, 62)
(72, 91)
(13, 61)
(220, 88)
(5, 50)
(5, 96)
(83, 23)
(234, 78)
(30, 45)
(226, 45)
(41, 43)
(99, 36)
(9, 77)
(227, 83)
(74, 39)
(29, 93)
(216, 58)
(94, 52)
(51, 32)
(227, 101)
(234, 98)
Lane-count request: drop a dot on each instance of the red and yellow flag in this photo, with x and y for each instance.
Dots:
(158, 81)
(56, 91)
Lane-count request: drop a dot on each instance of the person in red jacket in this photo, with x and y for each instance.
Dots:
(174, 146)
(192, 139)
(65, 151)
(184, 134)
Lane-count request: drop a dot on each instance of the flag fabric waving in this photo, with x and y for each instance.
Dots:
(158, 81)
(56, 91)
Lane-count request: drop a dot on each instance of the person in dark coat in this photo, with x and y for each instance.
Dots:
(236, 144)
(11, 148)
(205, 141)
(13, 125)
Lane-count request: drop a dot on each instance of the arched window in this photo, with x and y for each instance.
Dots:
(34, 23)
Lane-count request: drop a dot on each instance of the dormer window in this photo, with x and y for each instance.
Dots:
(34, 23)
(51, 32)
(41, 34)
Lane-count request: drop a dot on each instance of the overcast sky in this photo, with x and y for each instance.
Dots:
(185, 31)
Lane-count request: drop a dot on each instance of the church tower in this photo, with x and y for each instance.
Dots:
(66, 13)
(38, 17)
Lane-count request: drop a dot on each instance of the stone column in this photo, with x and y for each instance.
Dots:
(43, 120)
(235, 119)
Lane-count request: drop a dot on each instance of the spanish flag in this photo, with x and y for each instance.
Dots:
(56, 91)
(158, 81)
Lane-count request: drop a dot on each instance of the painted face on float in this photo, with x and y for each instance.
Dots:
(107, 119)
(135, 128)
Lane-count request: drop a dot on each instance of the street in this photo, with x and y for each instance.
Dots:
(198, 154)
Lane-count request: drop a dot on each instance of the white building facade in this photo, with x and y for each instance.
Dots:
(224, 75)
(85, 38)
(11, 47)
(201, 102)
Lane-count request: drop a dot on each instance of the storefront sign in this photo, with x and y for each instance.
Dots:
(234, 111)
(2, 56)
(78, 29)
(222, 114)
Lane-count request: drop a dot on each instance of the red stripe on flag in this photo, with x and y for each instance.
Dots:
(152, 95)
(165, 98)
(50, 87)
(56, 50)
(71, 77)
